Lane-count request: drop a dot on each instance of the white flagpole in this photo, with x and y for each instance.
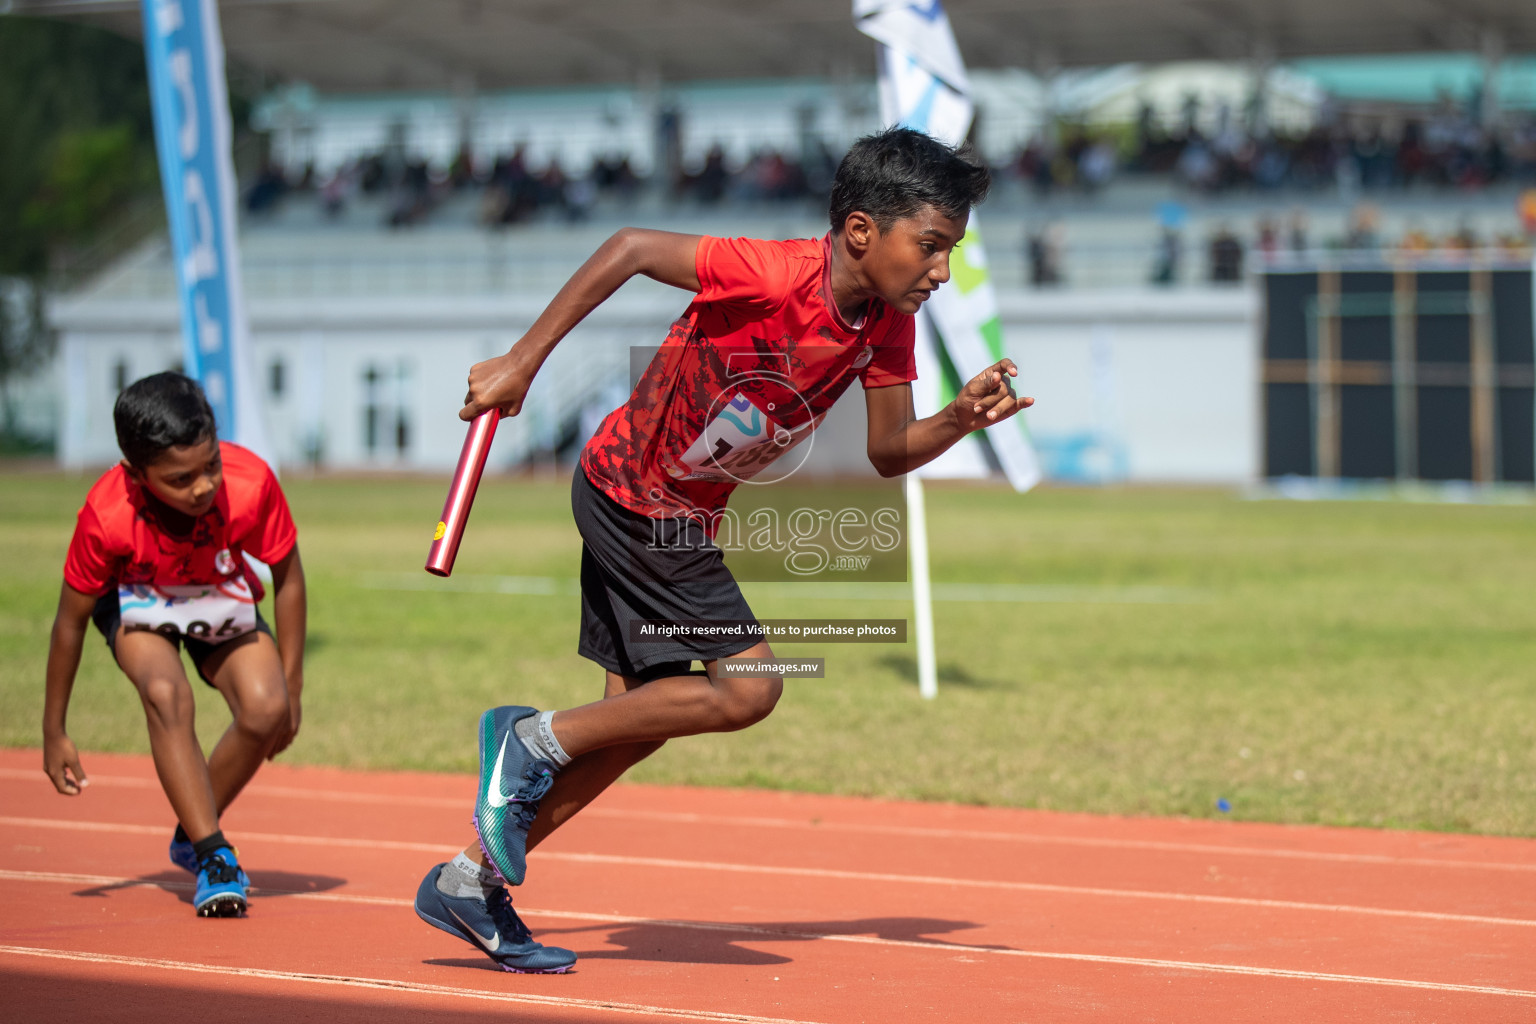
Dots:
(922, 593)
(917, 544)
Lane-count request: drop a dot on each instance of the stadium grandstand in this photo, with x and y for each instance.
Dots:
(418, 179)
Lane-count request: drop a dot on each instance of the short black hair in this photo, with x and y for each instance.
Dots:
(165, 410)
(896, 172)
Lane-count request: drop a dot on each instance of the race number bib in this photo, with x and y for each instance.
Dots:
(212, 613)
(738, 443)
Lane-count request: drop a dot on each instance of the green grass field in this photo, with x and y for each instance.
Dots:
(1369, 663)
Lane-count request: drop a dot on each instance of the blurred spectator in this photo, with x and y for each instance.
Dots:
(1364, 229)
(580, 197)
(1096, 166)
(1527, 209)
(1036, 164)
(1169, 253)
(552, 186)
(270, 186)
(1449, 148)
(709, 184)
(1044, 250)
(1267, 242)
(1226, 254)
(1514, 246)
(1464, 239)
(338, 189)
(613, 174)
(461, 169)
(1297, 239)
(1197, 164)
(1415, 240)
(412, 198)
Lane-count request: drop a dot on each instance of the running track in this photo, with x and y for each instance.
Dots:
(715, 905)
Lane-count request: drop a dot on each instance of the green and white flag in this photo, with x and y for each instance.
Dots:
(923, 85)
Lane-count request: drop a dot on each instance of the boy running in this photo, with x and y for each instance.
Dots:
(157, 562)
(777, 331)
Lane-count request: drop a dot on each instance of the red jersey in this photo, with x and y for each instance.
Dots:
(120, 539)
(750, 369)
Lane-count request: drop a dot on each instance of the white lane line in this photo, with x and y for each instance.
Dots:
(414, 987)
(774, 934)
(826, 873)
(917, 832)
(1067, 890)
(436, 849)
(912, 831)
(262, 789)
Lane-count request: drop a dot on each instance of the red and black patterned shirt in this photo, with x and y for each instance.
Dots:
(748, 371)
(120, 539)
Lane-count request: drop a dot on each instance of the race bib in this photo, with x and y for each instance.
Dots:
(212, 613)
(738, 443)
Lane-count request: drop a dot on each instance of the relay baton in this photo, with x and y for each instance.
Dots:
(461, 493)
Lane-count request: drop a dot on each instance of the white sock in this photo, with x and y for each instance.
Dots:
(463, 879)
(536, 734)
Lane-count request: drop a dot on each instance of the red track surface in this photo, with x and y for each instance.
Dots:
(714, 905)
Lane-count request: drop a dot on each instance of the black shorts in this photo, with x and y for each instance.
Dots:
(108, 617)
(636, 568)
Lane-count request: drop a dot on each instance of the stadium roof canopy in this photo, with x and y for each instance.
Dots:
(379, 45)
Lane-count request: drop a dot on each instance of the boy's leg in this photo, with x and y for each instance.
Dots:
(480, 905)
(248, 672)
(631, 724)
(153, 664)
(668, 708)
(585, 778)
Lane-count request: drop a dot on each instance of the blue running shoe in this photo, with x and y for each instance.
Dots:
(220, 885)
(492, 926)
(512, 782)
(183, 856)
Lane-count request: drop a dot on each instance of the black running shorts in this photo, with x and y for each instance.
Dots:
(636, 569)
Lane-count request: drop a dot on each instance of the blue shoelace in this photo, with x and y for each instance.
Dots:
(505, 918)
(537, 780)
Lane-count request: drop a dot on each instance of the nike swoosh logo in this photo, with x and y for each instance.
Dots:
(491, 944)
(493, 794)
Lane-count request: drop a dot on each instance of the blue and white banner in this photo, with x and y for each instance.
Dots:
(185, 53)
(923, 85)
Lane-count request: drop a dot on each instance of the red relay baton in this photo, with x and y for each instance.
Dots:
(461, 493)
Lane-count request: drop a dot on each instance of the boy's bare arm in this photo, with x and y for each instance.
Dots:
(665, 256)
(60, 758)
(290, 606)
(899, 442)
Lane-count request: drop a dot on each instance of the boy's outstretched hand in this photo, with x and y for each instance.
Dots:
(989, 398)
(498, 383)
(62, 763)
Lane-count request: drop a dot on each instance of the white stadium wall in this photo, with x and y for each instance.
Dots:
(1140, 385)
(1136, 385)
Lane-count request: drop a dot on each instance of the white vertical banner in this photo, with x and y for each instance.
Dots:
(185, 54)
(923, 85)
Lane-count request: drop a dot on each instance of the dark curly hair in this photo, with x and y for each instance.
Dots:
(896, 172)
(165, 410)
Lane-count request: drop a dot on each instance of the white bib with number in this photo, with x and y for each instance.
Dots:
(738, 443)
(211, 612)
